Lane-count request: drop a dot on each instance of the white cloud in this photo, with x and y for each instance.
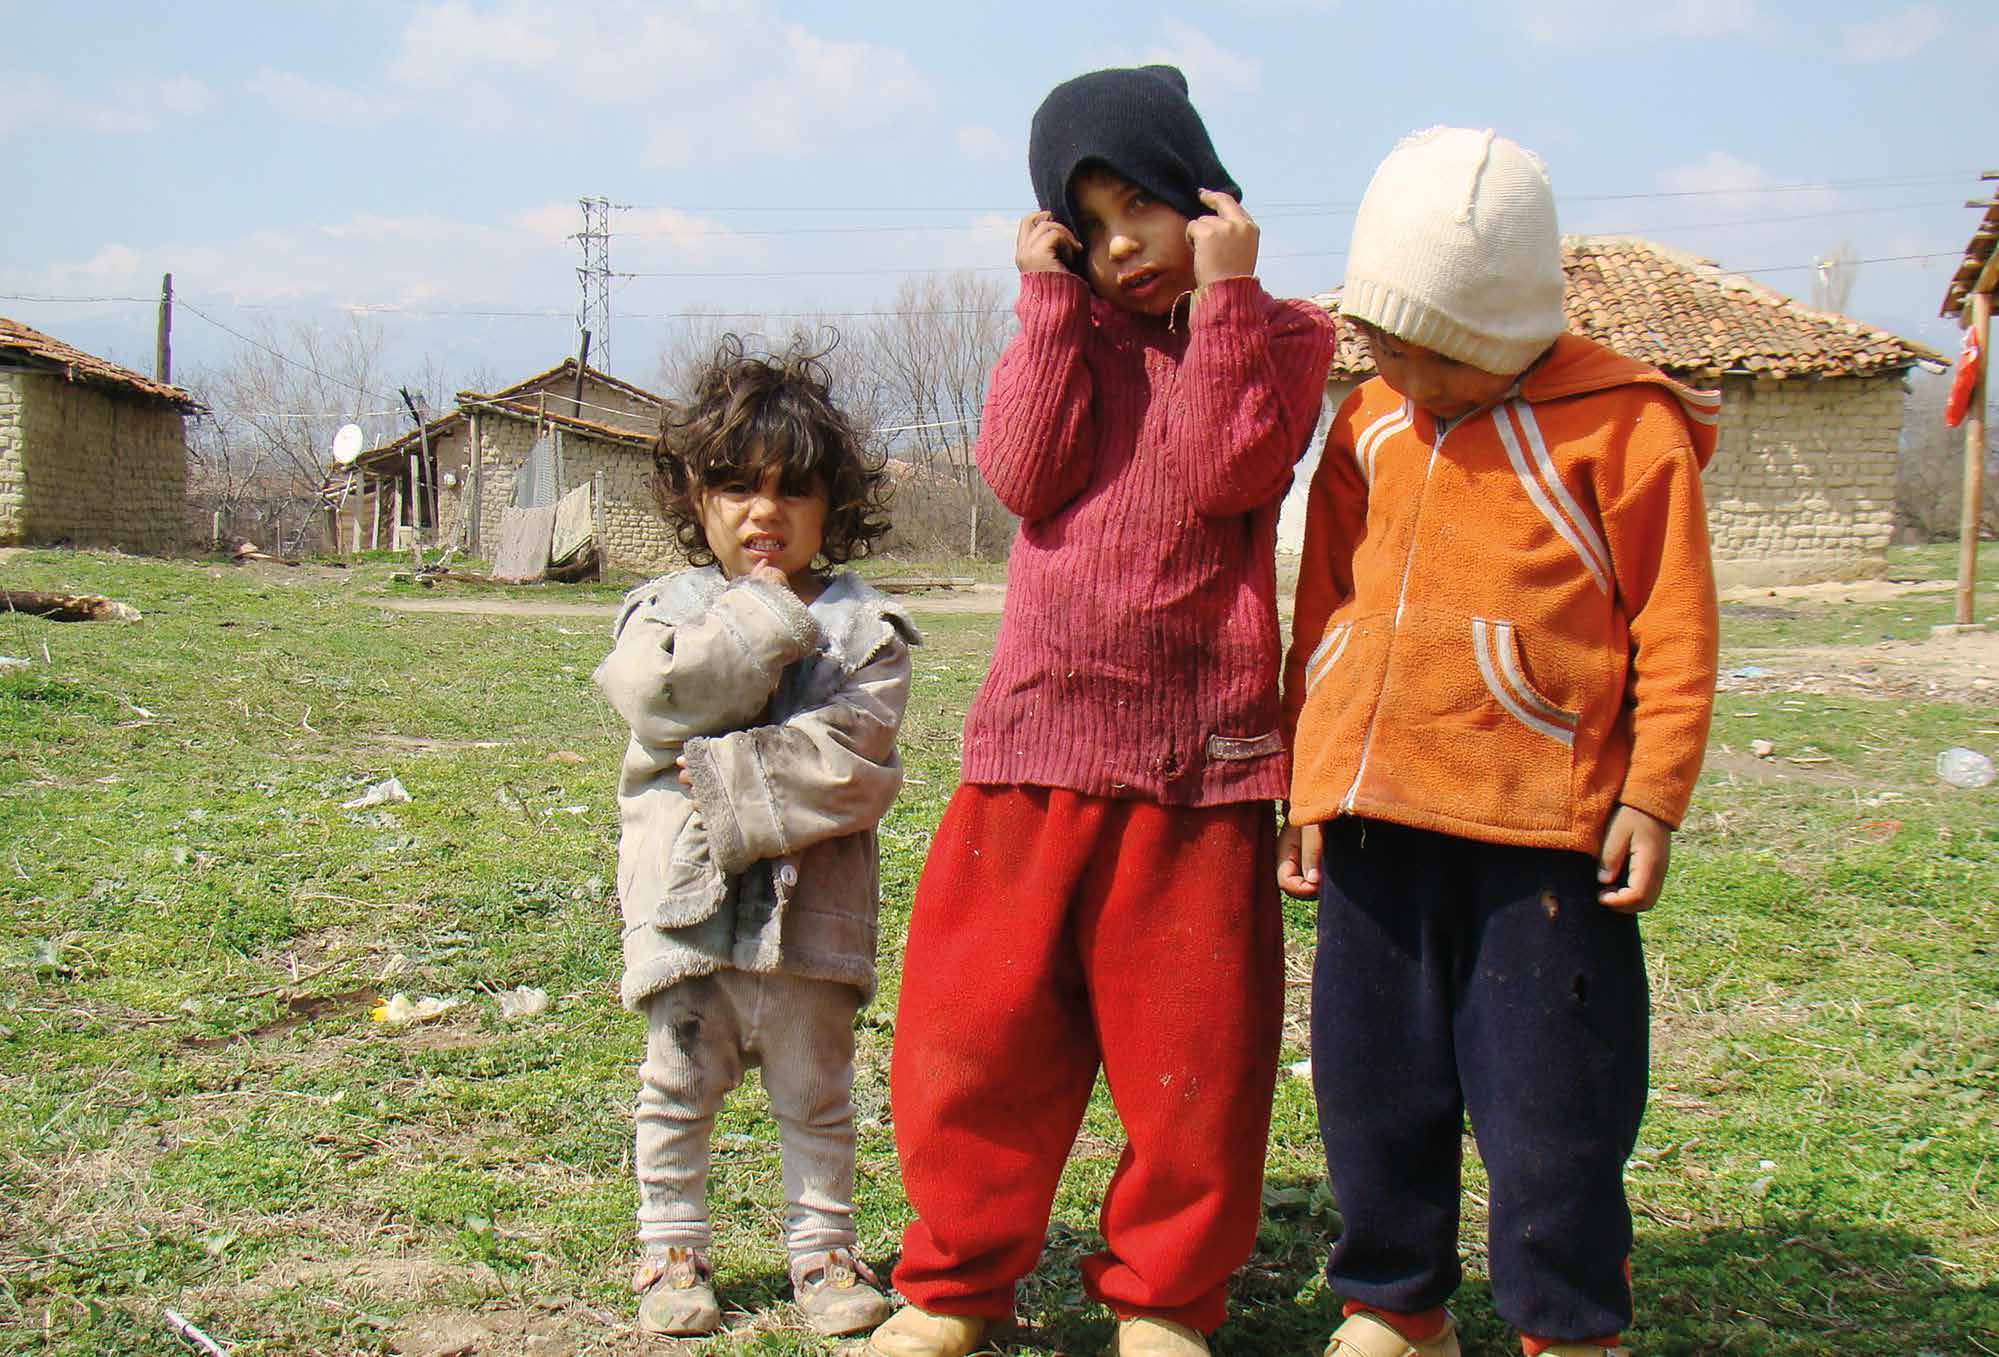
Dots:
(1580, 22)
(138, 106)
(1895, 36)
(311, 101)
(1718, 172)
(1724, 185)
(1212, 70)
(1704, 18)
(677, 71)
(525, 260)
(982, 143)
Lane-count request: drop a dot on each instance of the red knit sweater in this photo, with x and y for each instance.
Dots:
(1138, 653)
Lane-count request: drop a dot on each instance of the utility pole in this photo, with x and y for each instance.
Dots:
(593, 312)
(163, 340)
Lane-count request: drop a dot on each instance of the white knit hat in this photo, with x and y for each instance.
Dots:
(1455, 248)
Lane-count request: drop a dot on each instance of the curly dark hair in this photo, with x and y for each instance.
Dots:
(752, 413)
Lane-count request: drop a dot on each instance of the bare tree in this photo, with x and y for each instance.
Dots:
(931, 352)
(846, 356)
(1929, 480)
(259, 462)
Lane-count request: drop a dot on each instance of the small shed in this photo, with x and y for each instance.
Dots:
(91, 453)
(524, 445)
(1802, 485)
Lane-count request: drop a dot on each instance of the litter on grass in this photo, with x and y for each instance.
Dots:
(1966, 768)
(382, 793)
(523, 1001)
(399, 1011)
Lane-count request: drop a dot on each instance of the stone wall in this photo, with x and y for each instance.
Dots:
(1802, 485)
(89, 466)
(635, 538)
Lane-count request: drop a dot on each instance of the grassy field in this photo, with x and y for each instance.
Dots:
(197, 1111)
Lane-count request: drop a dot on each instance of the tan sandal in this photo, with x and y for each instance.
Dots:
(1151, 1336)
(914, 1332)
(837, 1293)
(678, 1302)
(1369, 1335)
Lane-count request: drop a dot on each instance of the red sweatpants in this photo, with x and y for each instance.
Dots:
(1052, 932)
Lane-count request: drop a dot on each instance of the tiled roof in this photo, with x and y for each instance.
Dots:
(522, 408)
(1977, 253)
(36, 349)
(437, 428)
(1690, 317)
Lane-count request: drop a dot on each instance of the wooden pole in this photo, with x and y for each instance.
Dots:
(582, 365)
(597, 517)
(163, 339)
(375, 517)
(419, 460)
(478, 481)
(1974, 463)
(396, 518)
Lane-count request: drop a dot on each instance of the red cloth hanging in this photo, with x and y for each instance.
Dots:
(1970, 359)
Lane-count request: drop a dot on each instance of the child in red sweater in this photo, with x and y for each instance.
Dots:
(1500, 684)
(1099, 892)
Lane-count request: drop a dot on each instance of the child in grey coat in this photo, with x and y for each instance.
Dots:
(763, 696)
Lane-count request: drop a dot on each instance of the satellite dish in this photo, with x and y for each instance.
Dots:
(347, 444)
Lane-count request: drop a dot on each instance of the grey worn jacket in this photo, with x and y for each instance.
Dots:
(786, 715)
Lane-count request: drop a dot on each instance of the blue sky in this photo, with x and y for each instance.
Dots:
(289, 163)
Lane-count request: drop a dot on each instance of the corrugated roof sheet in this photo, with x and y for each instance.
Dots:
(46, 351)
(1984, 239)
(1690, 317)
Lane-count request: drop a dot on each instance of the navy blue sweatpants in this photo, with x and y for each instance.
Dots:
(1455, 976)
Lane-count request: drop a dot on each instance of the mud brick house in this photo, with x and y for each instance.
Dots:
(91, 453)
(1802, 485)
(526, 445)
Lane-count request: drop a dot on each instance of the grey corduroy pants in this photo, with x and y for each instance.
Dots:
(701, 1034)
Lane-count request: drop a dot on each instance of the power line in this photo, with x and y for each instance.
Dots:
(1319, 205)
(702, 313)
(256, 344)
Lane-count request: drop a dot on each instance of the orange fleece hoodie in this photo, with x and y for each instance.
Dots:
(1507, 627)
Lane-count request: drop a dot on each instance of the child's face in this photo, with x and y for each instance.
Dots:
(1443, 387)
(1135, 248)
(754, 524)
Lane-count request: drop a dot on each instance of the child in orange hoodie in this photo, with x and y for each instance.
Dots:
(1498, 695)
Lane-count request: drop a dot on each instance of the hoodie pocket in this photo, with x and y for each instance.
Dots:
(1327, 653)
(1498, 652)
(694, 886)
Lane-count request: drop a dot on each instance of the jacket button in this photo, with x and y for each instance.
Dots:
(787, 875)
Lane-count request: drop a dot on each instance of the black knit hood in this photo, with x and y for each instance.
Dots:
(1138, 122)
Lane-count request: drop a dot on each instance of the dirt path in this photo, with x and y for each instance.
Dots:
(497, 607)
(1965, 666)
(977, 598)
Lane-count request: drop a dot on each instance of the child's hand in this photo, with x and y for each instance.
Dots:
(1642, 843)
(1298, 851)
(763, 572)
(1224, 244)
(1043, 244)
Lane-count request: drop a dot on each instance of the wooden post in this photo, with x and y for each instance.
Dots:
(419, 461)
(163, 339)
(478, 479)
(598, 544)
(375, 516)
(1974, 462)
(582, 366)
(396, 518)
